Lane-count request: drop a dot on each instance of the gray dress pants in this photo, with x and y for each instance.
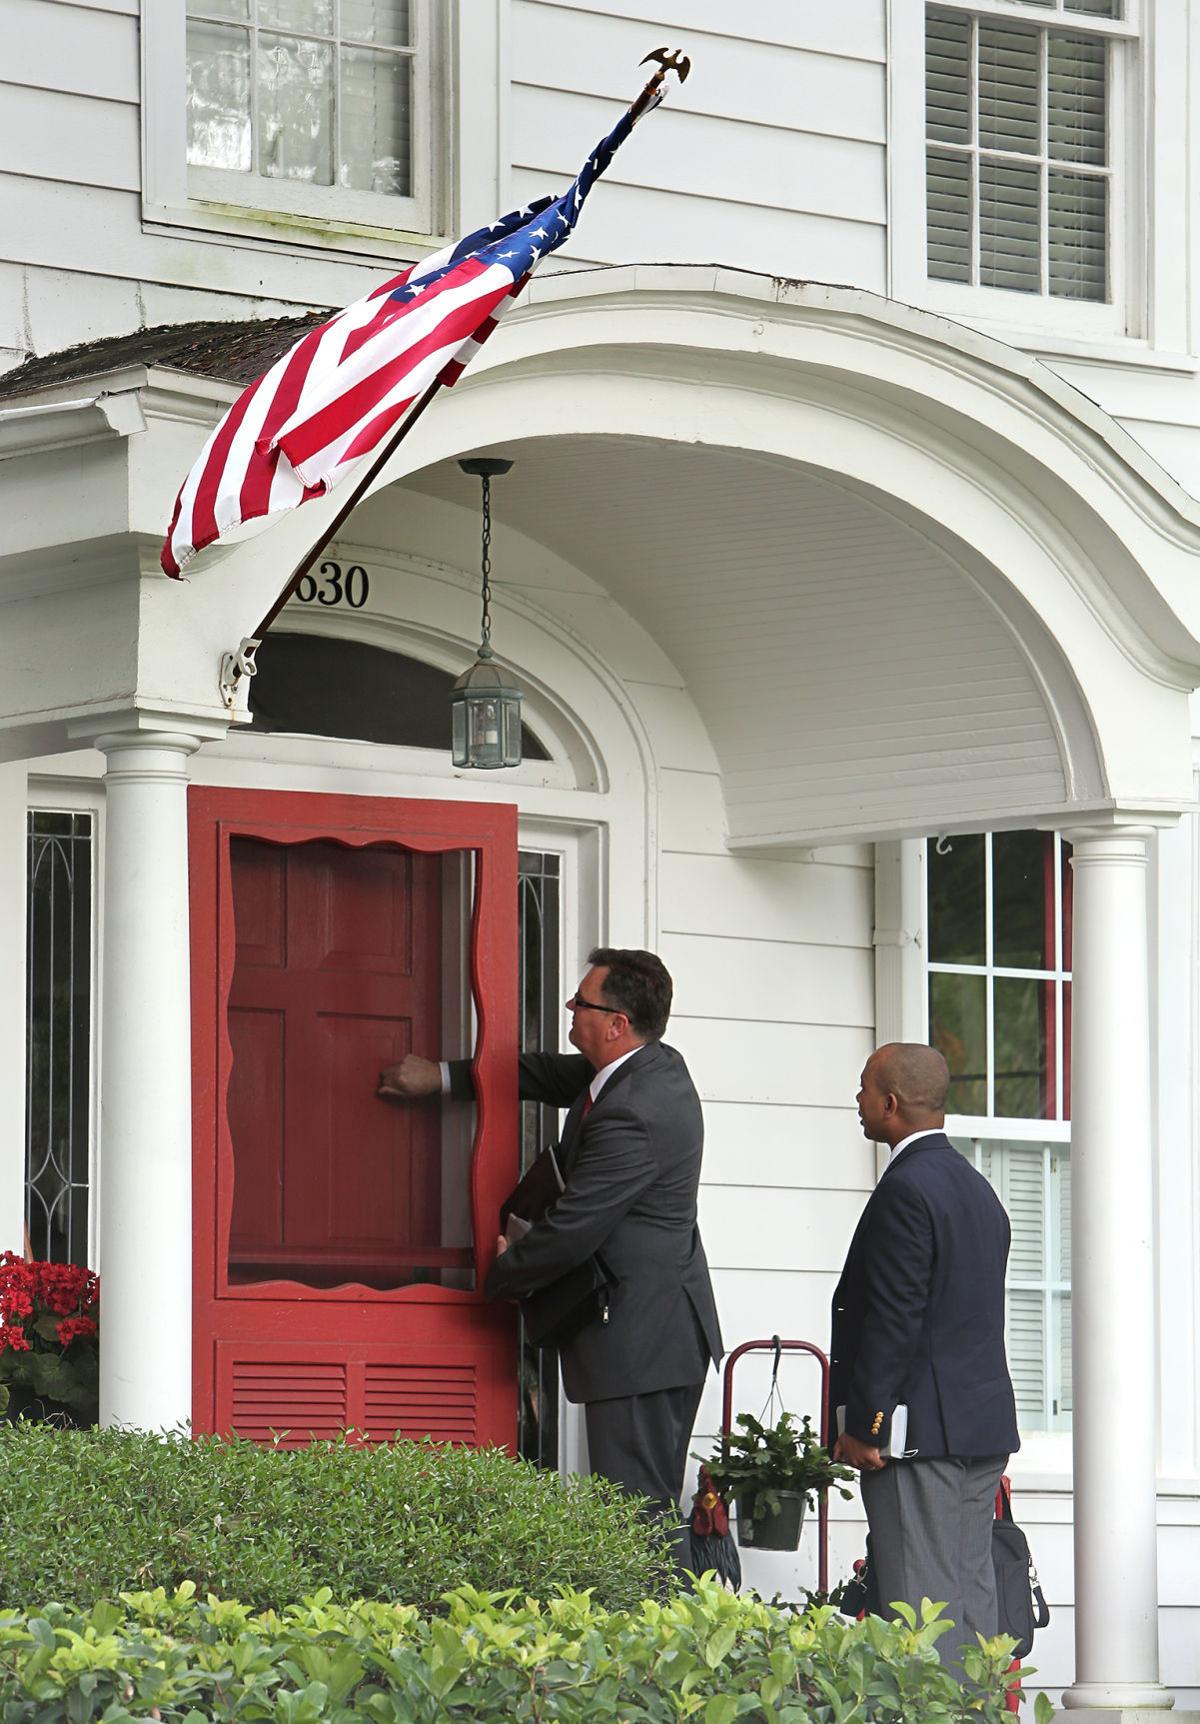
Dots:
(931, 1537)
(641, 1443)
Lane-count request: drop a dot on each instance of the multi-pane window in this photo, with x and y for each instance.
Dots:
(326, 99)
(1000, 973)
(58, 1035)
(1019, 156)
(999, 976)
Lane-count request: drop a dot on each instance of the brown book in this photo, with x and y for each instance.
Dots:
(539, 1187)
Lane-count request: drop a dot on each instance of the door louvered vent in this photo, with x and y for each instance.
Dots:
(418, 1401)
(302, 1400)
(1017, 154)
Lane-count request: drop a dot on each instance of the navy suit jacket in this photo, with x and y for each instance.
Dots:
(918, 1315)
(631, 1168)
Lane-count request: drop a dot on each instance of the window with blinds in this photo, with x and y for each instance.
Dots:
(1018, 157)
(1033, 1181)
(998, 938)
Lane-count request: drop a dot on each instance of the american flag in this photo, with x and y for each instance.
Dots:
(330, 400)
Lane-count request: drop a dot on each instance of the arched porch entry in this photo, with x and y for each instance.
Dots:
(859, 575)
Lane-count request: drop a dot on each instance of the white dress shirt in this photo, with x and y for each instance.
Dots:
(605, 1072)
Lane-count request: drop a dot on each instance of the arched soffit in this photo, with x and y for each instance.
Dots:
(1073, 535)
(851, 672)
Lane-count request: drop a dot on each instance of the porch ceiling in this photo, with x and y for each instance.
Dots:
(852, 674)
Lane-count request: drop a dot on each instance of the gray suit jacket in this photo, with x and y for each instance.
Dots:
(632, 1168)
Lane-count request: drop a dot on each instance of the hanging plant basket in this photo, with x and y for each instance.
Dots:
(773, 1528)
(771, 1472)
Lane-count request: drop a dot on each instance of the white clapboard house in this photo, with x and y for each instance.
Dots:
(849, 563)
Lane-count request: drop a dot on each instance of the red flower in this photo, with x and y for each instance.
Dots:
(14, 1338)
(75, 1328)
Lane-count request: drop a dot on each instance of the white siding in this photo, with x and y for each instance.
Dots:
(773, 150)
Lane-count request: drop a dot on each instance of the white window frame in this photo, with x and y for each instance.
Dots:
(1014, 313)
(257, 208)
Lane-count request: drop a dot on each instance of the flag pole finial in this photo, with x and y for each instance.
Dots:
(668, 60)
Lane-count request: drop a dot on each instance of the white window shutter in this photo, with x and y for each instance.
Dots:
(1026, 1342)
(1061, 1389)
(1010, 219)
(948, 120)
(1077, 203)
(1022, 1191)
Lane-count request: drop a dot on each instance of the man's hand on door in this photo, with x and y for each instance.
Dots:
(411, 1079)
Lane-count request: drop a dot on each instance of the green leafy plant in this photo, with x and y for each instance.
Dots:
(486, 1658)
(758, 1461)
(49, 1334)
(85, 1514)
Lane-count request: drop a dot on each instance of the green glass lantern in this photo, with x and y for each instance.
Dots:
(485, 703)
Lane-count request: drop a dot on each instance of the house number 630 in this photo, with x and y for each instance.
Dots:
(336, 586)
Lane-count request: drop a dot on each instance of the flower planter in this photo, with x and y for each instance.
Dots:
(778, 1530)
(24, 1403)
(49, 1341)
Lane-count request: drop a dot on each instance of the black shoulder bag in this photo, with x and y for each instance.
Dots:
(1021, 1603)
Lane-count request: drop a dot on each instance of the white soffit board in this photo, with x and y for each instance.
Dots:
(849, 673)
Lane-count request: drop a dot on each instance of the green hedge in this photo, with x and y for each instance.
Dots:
(90, 1514)
(714, 1658)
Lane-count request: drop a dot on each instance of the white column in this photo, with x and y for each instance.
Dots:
(1112, 1271)
(145, 1109)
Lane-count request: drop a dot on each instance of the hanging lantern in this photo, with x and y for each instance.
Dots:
(485, 705)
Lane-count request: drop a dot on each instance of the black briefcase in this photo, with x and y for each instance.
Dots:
(555, 1314)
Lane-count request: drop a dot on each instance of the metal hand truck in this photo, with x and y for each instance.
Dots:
(778, 1347)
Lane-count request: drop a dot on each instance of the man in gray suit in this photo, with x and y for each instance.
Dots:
(630, 1154)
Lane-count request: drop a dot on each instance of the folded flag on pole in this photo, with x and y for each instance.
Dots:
(331, 400)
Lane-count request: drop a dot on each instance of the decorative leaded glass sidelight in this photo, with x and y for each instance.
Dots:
(58, 1033)
(538, 922)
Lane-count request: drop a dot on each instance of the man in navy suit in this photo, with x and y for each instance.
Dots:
(918, 1324)
(630, 1154)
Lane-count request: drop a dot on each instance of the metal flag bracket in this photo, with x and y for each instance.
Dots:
(235, 666)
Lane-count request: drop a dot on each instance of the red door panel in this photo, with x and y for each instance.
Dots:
(323, 1220)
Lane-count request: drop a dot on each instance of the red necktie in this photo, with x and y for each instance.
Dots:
(587, 1103)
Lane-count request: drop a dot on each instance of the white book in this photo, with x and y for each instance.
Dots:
(895, 1449)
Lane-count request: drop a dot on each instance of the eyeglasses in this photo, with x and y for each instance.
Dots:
(578, 1004)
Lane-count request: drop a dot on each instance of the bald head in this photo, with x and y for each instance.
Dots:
(903, 1089)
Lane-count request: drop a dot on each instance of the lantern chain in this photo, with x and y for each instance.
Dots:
(486, 565)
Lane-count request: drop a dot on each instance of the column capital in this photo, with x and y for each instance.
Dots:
(153, 727)
(164, 741)
(1109, 843)
(1090, 823)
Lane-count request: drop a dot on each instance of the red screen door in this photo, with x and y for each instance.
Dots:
(340, 1238)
